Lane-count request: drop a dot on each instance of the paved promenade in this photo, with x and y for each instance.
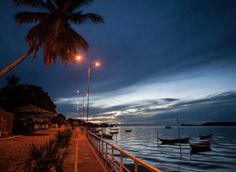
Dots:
(82, 157)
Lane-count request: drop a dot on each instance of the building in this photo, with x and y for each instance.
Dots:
(6, 122)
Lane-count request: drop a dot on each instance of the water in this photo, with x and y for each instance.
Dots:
(143, 143)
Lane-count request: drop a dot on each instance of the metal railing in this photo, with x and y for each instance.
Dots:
(115, 156)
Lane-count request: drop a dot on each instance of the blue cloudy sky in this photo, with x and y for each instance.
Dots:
(160, 60)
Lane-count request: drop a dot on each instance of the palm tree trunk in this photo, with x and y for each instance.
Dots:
(15, 63)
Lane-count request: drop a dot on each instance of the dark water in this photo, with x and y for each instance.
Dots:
(143, 143)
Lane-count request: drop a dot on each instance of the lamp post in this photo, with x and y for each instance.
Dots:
(94, 64)
(82, 115)
(89, 71)
(90, 64)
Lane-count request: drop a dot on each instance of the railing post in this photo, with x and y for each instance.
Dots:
(102, 148)
(99, 145)
(106, 153)
(135, 166)
(115, 166)
(112, 154)
(121, 162)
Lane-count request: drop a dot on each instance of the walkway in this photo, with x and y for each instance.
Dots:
(86, 159)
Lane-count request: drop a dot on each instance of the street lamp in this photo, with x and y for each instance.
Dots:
(93, 64)
(78, 58)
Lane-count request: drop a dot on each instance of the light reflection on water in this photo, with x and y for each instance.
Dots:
(143, 143)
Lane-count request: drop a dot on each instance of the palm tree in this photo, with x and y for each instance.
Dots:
(52, 31)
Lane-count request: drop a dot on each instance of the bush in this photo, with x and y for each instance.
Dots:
(46, 157)
(63, 138)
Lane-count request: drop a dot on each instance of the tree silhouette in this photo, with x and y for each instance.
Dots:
(52, 31)
(12, 80)
(14, 96)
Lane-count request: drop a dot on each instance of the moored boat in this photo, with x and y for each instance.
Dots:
(107, 136)
(175, 140)
(209, 136)
(168, 127)
(93, 130)
(114, 132)
(200, 147)
(98, 134)
(127, 131)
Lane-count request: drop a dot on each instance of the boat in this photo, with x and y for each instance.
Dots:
(209, 136)
(114, 128)
(200, 147)
(168, 127)
(107, 136)
(98, 134)
(114, 132)
(175, 140)
(127, 131)
(93, 130)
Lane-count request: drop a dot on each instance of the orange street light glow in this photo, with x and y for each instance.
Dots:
(78, 58)
(97, 64)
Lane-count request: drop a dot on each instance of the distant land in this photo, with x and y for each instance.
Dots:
(219, 124)
(212, 124)
(190, 125)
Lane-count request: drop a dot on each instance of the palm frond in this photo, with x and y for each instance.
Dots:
(81, 2)
(33, 156)
(84, 18)
(52, 31)
(60, 3)
(36, 34)
(78, 41)
(71, 5)
(33, 3)
(29, 17)
(44, 157)
(65, 46)
(75, 4)
(51, 5)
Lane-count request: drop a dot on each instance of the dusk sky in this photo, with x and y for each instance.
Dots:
(160, 60)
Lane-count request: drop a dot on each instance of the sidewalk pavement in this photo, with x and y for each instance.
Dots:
(82, 157)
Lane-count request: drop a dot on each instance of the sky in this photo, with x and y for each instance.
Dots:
(160, 60)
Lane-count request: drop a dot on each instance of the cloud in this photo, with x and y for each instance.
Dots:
(214, 107)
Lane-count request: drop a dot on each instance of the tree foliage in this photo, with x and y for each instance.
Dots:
(52, 30)
(59, 120)
(48, 156)
(22, 95)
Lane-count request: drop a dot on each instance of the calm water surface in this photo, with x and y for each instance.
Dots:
(143, 143)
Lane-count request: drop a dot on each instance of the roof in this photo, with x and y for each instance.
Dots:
(34, 109)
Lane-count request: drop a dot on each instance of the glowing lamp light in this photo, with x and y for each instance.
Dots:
(97, 64)
(78, 58)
